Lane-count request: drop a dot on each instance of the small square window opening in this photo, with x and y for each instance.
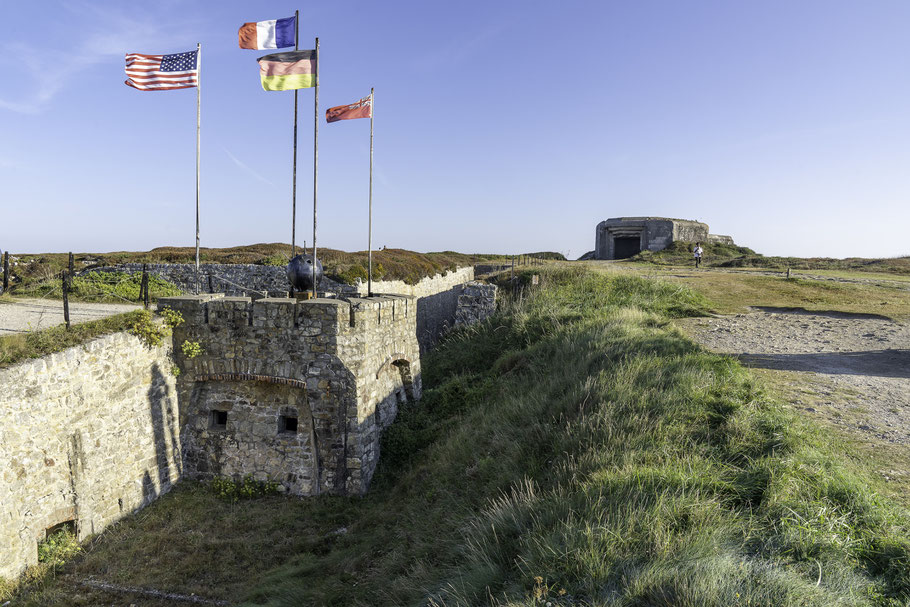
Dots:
(287, 424)
(218, 420)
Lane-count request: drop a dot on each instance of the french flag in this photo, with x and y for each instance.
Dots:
(277, 33)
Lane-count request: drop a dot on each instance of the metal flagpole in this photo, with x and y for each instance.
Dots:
(294, 181)
(370, 221)
(198, 123)
(315, 160)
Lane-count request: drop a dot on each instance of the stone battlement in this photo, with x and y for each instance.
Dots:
(309, 315)
(296, 391)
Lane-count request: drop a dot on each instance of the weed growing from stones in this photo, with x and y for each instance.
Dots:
(191, 349)
(244, 489)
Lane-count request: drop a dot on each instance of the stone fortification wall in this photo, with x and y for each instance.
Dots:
(476, 302)
(437, 301)
(294, 391)
(87, 436)
(437, 295)
(230, 279)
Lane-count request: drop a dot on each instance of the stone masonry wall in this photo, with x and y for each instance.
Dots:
(437, 295)
(476, 302)
(87, 435)
(337, 368)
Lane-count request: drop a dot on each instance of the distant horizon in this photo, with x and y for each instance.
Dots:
(322, 247)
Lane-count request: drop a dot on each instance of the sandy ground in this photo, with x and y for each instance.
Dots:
(23, 315)
(854, 370)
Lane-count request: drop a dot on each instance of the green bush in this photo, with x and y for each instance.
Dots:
(146, 329)
(245, 489)
(58, 548)
(191, 349)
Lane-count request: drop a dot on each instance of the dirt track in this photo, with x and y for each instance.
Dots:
(24, 315)
(858, 366)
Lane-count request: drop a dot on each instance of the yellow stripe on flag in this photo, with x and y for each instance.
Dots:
(288, 82)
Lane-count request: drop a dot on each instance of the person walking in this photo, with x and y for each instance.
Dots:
(697, 251)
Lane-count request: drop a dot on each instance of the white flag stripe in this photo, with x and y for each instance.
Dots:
(265, 34)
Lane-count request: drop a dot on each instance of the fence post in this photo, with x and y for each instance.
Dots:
(71, 265)
(512, 271)
(6, 272)
(66, 300)
(144, 287)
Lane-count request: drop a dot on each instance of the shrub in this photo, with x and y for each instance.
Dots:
(59, 547)
(191, 349)
(246, 488)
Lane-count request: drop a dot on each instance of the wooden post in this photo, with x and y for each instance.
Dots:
(144, 287)
(71, 265)
(66, 300)
(6, 272)
(788, 272)
(512, 270)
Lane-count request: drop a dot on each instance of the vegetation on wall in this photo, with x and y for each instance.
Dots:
(35, 344)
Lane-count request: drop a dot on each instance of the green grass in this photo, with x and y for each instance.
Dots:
(575, 449)
(731, 292)
(679, 253)
(35, 344)
(108, 287)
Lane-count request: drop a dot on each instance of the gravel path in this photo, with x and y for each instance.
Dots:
(859, 365)
(24, 315)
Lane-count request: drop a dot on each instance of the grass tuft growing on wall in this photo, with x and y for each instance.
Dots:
(35, 344)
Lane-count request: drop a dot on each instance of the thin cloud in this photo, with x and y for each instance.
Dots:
(458, 51)
(45, 73)
(246, 168)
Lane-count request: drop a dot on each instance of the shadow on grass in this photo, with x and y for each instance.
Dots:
(875, 363)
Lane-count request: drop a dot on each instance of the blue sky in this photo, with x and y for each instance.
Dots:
(500, 126)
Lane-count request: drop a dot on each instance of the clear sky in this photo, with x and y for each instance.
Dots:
(501, 126)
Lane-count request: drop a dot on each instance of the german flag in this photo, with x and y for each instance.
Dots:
(288, 71)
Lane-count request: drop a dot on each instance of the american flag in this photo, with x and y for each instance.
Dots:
(162, 72)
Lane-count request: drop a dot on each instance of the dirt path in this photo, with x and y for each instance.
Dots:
(852, 370)
(24, 315)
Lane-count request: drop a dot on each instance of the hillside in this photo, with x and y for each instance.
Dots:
(30, 269)
(732, 256)
(576, 449)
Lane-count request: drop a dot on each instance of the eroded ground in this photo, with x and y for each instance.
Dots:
(849, 371)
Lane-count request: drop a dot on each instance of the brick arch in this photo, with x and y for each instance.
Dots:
(270, 379)
(402, 363)
(392, 360)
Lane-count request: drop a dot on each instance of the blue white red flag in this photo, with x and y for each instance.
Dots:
(276, 33)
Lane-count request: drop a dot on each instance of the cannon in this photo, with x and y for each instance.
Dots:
(303, 274)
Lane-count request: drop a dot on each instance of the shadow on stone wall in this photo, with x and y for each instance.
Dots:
(163, 416)
(435, 316)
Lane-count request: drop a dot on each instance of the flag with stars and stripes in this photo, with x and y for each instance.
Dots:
(162, 72)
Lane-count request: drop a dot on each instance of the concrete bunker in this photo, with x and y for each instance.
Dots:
(624, 237)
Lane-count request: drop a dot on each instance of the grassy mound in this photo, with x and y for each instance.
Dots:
(731, 256)
(575, 449)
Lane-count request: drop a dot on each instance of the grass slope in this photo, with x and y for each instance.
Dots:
(575, 449)
(679, 253)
